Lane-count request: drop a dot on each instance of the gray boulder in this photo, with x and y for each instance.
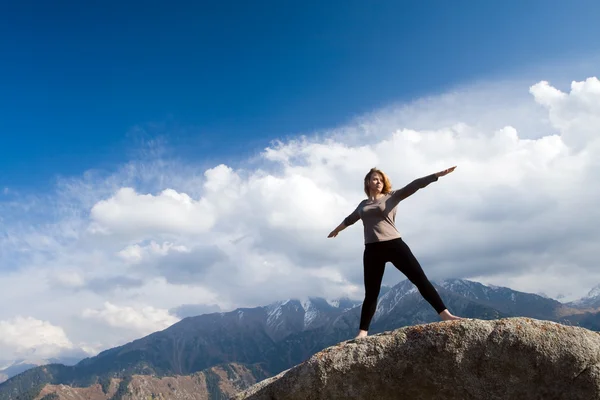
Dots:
(512, 358)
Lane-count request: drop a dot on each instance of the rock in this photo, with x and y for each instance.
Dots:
(512, 358)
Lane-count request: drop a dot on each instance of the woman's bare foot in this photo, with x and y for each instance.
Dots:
(361, 334)
(446, 316)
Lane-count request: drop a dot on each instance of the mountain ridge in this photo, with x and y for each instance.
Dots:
(284, 333)
(15, 367)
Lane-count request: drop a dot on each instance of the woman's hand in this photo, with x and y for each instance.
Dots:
(445, 172)
(337, 230)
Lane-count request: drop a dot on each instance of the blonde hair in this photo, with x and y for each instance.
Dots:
(387, 185)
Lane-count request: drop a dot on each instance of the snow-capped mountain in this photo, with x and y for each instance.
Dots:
(590, 301)
(285, 317)
(595, 292)
(343, 303)
(503, 299)
(388, 301)
(469, 289)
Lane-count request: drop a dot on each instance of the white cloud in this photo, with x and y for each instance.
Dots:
(293, 201)
(142, 215)
(69, 279)
(144, 320)
(30, 337)
(576, 115)
(519, 211)
(136, 253)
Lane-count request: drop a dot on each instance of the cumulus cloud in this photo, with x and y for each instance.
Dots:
(139, 244)
(26, 337)
(143, 320)
(136, 253)
(142, 215)
(576, 115)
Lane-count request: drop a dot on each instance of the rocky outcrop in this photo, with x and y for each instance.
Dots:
(219, 382)
(512, 358)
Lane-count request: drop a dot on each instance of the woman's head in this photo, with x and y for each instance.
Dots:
(376, 181)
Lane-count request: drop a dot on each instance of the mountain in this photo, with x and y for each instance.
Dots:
(266, 335)
(584, 312)
(13, 368)
(218, 382)
(589, 302)
(287, 317)
(283, 334)
(403, 305)
(505, 300)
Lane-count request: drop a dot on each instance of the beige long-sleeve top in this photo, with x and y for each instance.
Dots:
(379, 216)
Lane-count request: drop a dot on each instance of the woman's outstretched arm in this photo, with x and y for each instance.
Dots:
(337, 230)
(420, 183)
(349, 220)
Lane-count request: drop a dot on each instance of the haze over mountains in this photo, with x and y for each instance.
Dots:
(275, 337)
(11, 368)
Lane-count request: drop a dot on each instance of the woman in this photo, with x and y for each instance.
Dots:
(383, 242)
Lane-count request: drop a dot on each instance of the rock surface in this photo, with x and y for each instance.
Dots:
(512, 358)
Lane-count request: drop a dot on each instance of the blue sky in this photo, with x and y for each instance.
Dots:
(84, 83)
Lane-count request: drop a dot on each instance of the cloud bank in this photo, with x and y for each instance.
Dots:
(21, 337)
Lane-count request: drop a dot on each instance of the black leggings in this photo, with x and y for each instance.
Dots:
(375, 257)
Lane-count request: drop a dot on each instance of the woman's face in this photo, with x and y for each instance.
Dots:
(375, 183)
